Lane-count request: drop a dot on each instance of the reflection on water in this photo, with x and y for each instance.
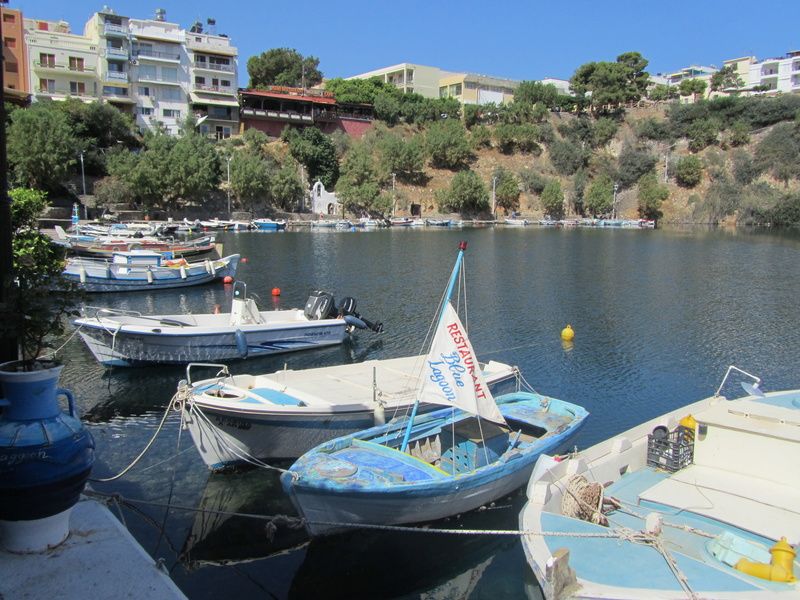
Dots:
(658, 316)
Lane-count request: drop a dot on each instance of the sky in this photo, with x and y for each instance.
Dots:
(510, 39)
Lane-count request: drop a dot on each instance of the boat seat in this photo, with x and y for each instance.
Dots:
(382, 458)
(766, 508)
(276, 397)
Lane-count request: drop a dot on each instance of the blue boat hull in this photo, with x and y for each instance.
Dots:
(364, 479)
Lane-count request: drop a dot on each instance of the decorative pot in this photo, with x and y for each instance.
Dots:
(46, 457)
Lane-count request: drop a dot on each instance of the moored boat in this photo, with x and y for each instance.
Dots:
(128, 338)
(700, 502)
(145, 270)
(439, 464)
(269, 224)
(254, 418)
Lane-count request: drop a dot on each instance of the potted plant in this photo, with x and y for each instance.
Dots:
(49, 452)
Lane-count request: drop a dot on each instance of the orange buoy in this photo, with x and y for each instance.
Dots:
(567, 333)
(276, 291)
(227, 279)
(243, 260)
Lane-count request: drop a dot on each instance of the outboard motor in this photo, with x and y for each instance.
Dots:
(319, 306)
(347, 310)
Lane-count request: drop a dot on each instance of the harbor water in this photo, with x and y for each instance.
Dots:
(658, 316)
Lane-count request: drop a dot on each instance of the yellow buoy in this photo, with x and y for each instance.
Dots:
(567, 333)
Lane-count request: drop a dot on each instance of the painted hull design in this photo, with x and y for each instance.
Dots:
(448, 469)
(105, 276)
(251, 418)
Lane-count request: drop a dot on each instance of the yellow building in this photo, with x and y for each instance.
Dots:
(477, 89)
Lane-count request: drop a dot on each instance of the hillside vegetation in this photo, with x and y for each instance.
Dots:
(732, 158)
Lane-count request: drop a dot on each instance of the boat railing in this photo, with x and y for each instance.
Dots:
(100, 312)
(221, 373)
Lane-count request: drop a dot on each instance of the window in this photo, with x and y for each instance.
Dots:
(75, 63)
(47, 85)
(144, 111)
(10, 42)
(172, 94)
(144, 90)
(172, 113)
(77, 87)
(8, 18)
(47, 60)
(112, 90)
(455, 89)
(148, 72)
(443, 92)
(200, 80)
(12, 67)
(169, 74)
(218, 60)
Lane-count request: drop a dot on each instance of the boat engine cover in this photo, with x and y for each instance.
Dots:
(347, 306)
(319, 306)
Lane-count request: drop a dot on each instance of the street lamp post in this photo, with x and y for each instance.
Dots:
(228, 159)
(494, 198)
(83, 199)
(614, 209)
(394, 197)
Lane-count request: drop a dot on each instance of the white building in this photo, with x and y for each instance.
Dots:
(779, 75)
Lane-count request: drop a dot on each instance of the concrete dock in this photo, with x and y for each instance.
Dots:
(100, 559)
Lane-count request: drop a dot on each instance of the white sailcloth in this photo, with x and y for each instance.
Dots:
(451, 374)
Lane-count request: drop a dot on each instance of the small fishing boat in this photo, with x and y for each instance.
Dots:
(236, 419)
(106, 246)
(269, 224)
(401, 222)
(145, 270)
(128, 338)
(701, 502)
(439, 464)
(516, 222)
(437, 222)
(331, 224)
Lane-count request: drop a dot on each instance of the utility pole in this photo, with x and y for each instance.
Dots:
(494, 198)
(8, 346)
(228, 158)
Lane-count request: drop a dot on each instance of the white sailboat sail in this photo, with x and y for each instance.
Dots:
(452, 375)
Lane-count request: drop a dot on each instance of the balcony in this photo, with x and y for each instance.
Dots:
(158, 56)
(116, 53)
(214, 89)
(49, 66)
(279, 115)
(214, 67)
(110, 30)
(116, 77)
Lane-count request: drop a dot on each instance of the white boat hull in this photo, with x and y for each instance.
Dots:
(244, 424)
(740, 480)
(203, 338)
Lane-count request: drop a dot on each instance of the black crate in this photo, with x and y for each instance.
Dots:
(671, 452)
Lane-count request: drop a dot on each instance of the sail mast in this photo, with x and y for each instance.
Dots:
(462, 246)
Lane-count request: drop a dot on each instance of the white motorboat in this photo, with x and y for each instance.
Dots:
(253, 418)
(127, 338)
(701, 502)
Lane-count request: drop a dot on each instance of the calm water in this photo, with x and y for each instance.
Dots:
(658, 316)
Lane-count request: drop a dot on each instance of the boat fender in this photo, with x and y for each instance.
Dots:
(567, 333)
(149, 275)
(781, 568)
(183, 272)
(379, 415)
(241, 342)
(354, 321)
(82, 274)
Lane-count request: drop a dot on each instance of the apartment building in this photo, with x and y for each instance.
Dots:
(410, 78)
(60, 63)
(477, 89)
(15, 59)
(212, 63)
(778, 75)
(149, 68)
(157, 87)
